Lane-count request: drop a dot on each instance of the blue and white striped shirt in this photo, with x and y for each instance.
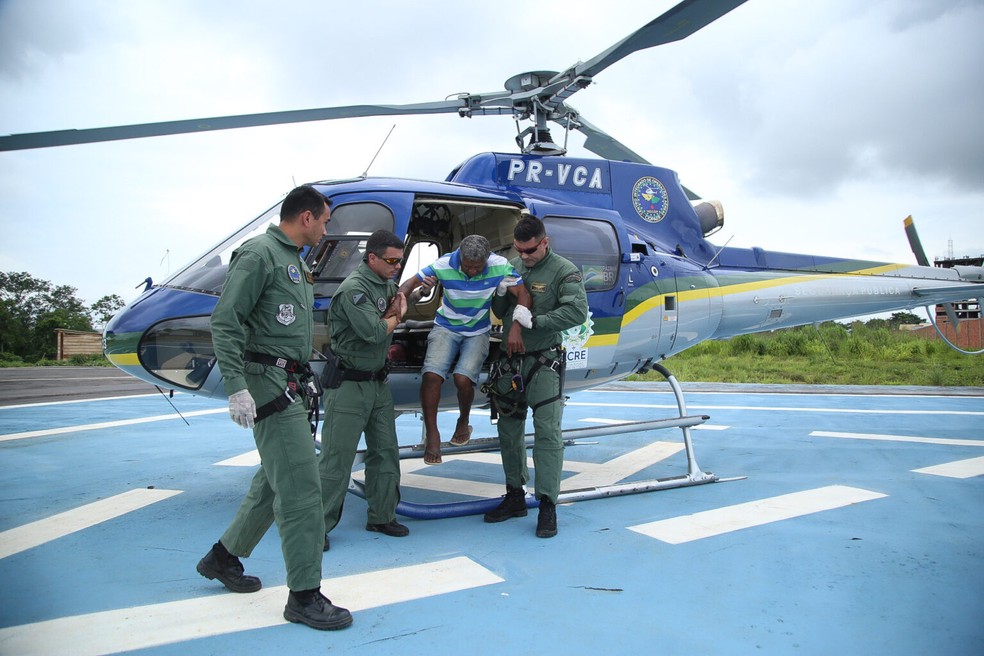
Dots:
(465, 307)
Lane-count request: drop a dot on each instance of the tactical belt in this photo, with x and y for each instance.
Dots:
(304, 384)
(362, 376)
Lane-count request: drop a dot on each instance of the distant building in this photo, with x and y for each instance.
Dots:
(969, 309)
(77, 342)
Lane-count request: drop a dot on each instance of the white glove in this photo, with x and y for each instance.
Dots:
(507, 282)
(522, 315)
(242, 408)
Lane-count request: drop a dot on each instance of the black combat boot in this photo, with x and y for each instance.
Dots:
(513, 505)
(546, 521)
(316, 610)
(218, 563)
(392, 528)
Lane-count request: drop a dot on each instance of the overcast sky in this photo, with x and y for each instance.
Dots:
(819, 125)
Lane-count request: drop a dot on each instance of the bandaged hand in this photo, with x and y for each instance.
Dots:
(522, 316)
(507, 282)
(242, 408)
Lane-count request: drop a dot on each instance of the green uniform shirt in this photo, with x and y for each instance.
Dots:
(559, 301)
(266, 306)
(358, 336)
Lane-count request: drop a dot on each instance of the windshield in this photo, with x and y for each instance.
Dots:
(338, 254)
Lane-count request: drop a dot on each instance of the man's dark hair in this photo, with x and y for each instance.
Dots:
(300, 200)
(380, 240)
(529, 228)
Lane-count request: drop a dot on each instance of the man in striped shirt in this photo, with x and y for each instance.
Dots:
(471, 276)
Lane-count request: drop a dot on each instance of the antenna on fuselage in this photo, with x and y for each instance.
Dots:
(710, 261)
(366, 172)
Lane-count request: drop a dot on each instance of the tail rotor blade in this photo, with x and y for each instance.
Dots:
(922, 260)
(914, 243)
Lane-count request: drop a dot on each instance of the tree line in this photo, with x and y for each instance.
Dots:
(32, 309)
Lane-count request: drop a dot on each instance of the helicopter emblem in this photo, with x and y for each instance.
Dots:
(649, 199)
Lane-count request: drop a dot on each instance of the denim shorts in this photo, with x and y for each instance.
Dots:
(442, 347)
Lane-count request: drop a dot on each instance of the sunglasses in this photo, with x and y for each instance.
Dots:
(392, 261)
(528, 251)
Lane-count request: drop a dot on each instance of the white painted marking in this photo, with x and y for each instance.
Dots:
(761, 408)
(107, 424)
(695, 392)
(496, 459)
(104, 398)
(150, 626)
(449, 485)
(589, 474)
(709, 523)
(957, 469)
(36, 533)
(623, 466)
(899, 438)
(248, 459)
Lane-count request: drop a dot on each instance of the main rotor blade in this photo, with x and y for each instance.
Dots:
(116, 133)
(677, 23)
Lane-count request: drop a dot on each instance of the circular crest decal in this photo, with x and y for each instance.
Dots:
(293, 274)
(649, 199)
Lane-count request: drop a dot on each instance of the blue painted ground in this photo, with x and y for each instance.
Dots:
(902, 574)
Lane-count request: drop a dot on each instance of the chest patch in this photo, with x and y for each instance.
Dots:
(294, 274)
(381, 304)
(286, 314)
(538, 287)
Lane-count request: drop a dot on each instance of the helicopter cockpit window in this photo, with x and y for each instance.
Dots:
(340, 252)
(591, 245)
(208, 273)
(179, 351)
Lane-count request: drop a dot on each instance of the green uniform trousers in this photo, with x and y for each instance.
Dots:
(548, 445)
(351, 409)
(286, 489)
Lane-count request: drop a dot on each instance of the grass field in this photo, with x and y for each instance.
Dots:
(828, 354)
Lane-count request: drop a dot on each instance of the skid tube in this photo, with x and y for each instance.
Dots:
(684, 422)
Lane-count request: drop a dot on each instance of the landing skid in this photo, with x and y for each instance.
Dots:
(684, 422)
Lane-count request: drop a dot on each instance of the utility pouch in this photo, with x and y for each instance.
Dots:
(333, 373)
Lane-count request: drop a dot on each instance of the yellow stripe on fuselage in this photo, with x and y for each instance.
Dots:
(124, 359)
(609, 339)
(739, 288)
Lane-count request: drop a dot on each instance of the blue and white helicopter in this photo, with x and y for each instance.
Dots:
(656, 286)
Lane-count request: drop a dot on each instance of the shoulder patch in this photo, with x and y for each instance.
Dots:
(294, 274)
(573, 277)
(358, 298)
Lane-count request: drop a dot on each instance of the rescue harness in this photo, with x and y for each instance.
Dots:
(301, 382)
(506, 387)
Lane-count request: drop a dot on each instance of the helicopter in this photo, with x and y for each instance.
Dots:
(656, 286)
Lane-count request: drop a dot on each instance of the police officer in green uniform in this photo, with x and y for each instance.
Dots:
(261, 330)
(534, 380)
(364, 311)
